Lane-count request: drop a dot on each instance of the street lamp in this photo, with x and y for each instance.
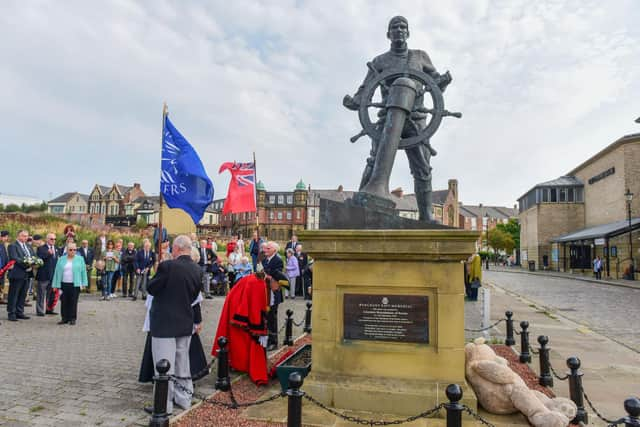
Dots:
(486, 215)
(629, 196)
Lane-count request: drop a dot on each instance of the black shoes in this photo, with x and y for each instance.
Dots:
(50, 312)
(72, 322)
(23, 317)
(62, 322)
(40, 314)
(13, 319)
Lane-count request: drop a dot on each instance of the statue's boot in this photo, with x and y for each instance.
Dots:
(423, 198)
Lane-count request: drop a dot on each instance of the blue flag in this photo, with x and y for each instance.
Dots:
(184, 184)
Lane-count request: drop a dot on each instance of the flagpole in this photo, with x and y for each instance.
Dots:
(255, 191)
(165, 111)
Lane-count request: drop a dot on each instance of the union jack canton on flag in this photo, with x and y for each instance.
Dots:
(241, 196)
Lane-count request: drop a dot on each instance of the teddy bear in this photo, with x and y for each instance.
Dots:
(501, 391)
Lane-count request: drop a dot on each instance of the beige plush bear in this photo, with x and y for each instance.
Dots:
(502, 391)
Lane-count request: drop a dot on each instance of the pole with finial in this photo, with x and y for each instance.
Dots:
(255, 193)
(165, 112)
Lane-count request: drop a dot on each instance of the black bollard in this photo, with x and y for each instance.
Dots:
(307, 318)
(632, 406)
(160, 418)
(510, 338)
(454, 408)
(294, 411)
(545, 379)
(525, 356)
(223, 382)
(288, 330)
(575, 390)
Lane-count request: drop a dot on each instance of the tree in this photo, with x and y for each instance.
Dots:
(12, 207)
(500, 240)
(513, 229)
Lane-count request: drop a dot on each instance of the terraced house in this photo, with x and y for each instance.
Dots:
(114, 202)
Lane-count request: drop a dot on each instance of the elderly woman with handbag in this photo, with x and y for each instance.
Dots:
(70, 275)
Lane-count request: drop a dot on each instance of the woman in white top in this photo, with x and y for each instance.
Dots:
(70, 275)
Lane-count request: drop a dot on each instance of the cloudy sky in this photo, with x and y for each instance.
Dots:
(542, 85)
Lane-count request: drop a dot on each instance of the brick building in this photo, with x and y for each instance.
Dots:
(280, 214)
(115, 202)
(445, 206)
(568, 221)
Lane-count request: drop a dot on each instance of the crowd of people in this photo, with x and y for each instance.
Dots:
(254, 283)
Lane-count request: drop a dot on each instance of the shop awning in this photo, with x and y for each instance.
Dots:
(611, 229)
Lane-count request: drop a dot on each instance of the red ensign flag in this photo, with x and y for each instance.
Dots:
(241, 196)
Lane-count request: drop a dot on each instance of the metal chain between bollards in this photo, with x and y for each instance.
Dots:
(206, 369)
(234, 404)
(595, 411)
(298, 324)
(365, 422)
(477, 416)
(532, 351)
(485, 329)
(555, 374)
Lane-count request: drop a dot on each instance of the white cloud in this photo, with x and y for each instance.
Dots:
(542, 85)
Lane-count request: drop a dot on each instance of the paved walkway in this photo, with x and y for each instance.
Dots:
(593, 329)
(86, 375)
(609, 310)
(562, 275)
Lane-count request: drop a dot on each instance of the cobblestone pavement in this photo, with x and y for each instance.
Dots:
(86, 375)
(609, 310)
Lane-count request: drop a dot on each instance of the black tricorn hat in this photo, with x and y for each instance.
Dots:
(279, 275)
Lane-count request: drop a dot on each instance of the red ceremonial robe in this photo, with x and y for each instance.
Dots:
(242, 321)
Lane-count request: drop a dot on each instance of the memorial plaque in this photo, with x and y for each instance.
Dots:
(402, 318)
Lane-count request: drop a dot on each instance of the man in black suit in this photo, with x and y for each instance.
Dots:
(303, 279)
(4, 259)
(205, 261)
(18, 276)
(291, 244)
(175, 287)
(88, 255)
(49, 254)
(273, 266)
(145, 260)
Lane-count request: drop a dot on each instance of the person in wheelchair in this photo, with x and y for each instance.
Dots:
(219, 277)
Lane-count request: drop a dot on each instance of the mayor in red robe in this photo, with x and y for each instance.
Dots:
(243, 323)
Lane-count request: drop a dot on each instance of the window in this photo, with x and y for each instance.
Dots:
(474, 223)
(298, 214)
(553, 198)
(562, 195)
(570, 195)
(289, 215)
(272, 199)
(578, 194)
(545, 195)
(279, 215)
(280, 199)
(271, 215)
(289, 200)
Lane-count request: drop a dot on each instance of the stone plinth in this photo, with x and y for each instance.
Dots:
(394, 377)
